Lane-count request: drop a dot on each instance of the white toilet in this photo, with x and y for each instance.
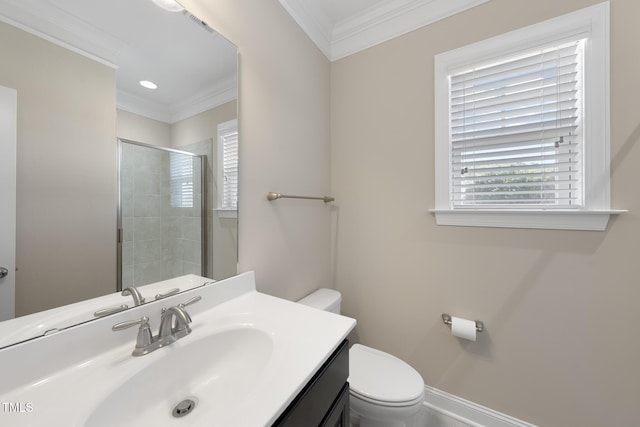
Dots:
(384, 390)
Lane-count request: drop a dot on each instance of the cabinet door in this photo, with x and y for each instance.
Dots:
(339, 414)
(318, 397)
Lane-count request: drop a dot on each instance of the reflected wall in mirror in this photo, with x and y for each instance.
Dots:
(76, 66)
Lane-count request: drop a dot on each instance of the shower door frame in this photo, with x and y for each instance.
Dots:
(203, 205)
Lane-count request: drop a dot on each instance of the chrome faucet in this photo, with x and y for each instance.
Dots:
(145, 342)
(168, 333)
(137, 297)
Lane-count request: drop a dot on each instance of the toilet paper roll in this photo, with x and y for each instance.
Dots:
(463, 328)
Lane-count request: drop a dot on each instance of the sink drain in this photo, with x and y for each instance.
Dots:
(183, 408)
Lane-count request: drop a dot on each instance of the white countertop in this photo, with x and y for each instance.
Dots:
(64, 378)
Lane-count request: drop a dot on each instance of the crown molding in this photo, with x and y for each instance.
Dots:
(383, 22)
(214, 97)
(43, 19)
(313, 21)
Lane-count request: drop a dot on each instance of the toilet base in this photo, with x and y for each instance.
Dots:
(366, 414)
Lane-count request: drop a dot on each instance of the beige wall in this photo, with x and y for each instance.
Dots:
(66, 157)
(284, 144)
(560, 307)
(222, 233)
(202, 126)
(135, 127)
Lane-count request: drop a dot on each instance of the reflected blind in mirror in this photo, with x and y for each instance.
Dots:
(181, 178)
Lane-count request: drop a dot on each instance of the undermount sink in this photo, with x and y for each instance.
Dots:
(211, 372)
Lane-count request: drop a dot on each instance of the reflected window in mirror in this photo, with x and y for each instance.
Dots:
(228, 169)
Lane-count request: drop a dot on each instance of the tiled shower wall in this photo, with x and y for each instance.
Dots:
(159, 241)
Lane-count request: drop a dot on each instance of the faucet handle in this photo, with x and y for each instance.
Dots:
(110, 310)
(168, 293)
(191, 301)
(184, 304)
(145, 338)
(129, 323)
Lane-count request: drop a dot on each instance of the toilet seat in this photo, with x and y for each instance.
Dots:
(382, 379)
(356, 395)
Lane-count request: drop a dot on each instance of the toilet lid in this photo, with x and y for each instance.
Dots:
(379, 376)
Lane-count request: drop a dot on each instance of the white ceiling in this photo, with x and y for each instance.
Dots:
(195, 69)
(343, 27)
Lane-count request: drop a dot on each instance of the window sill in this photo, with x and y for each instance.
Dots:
(227, 213)
(519, 218)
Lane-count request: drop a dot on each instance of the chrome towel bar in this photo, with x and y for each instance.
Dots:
(446, 318)
(271, 196)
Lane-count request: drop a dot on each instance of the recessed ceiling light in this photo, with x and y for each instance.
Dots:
(148, 84)
(170, 5)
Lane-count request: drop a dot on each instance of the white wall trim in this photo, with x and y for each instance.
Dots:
(444, 409)
(312, 21)
(372, 26)
(390, 20)
(548, 219)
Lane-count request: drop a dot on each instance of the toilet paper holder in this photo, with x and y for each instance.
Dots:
(446, 318)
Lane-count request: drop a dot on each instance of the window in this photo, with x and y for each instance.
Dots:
(516, 134)
(181, 179)
(522, 127)
(228, 168)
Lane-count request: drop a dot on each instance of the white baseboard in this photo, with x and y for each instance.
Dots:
(442, 409)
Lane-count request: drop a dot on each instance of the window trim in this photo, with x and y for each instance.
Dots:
(222, 129)
(592, 21)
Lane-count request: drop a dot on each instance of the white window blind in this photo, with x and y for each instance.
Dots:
(181, 179)
(228, 165)
(516, 131)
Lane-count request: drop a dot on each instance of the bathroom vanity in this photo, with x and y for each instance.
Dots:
(324, 401)
(243, 364)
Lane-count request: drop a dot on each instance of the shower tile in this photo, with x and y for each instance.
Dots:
(146, 184)
(172, 269)
(193, 228)
(147, 159)
(127, 276)
(146, 206)
(191, 251)
(126, 180)
(127, 205)
(145, 251)
(127, 254)
(190, 268)
(149, 228)
(127, 229)
(147, 273)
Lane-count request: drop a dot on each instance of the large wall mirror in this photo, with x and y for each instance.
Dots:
(77, 67)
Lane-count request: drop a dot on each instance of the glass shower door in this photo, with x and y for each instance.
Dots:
(160, 218)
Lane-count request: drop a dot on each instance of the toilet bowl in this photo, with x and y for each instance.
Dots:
(384, 390)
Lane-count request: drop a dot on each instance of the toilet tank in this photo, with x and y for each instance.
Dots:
(324, 299)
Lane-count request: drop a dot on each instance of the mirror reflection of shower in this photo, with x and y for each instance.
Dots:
(161, 221)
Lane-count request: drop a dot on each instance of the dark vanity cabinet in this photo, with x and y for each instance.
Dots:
(324, 401)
